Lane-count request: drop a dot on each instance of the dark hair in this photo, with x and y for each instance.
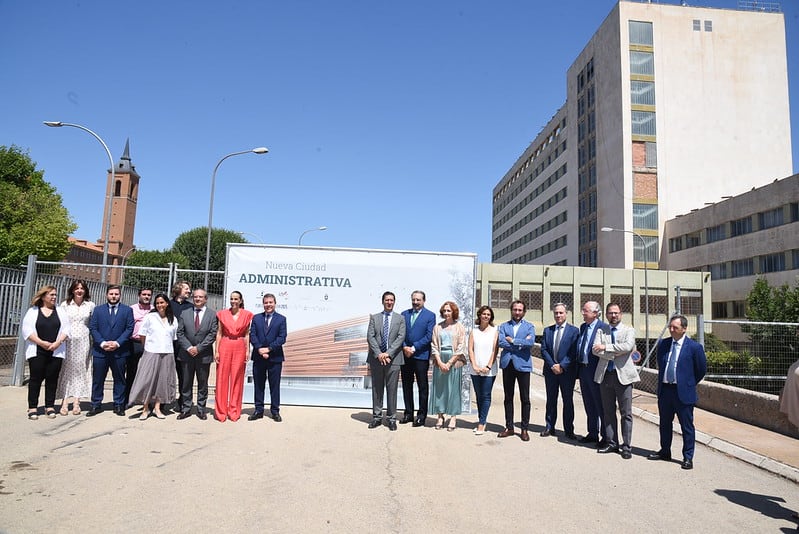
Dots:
(170, 315)
(386, 294)
(113, 286)
(270, 295)
(456, 312)
(241, 298)
(517, 301)
(480, 312)
(424, 297)
(683, 320)
(611, 303)
(73, 286)
(145, 289)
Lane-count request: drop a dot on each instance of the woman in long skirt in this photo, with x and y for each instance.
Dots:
(447, 350)
(75, 380)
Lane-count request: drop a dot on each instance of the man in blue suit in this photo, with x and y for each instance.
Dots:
(111, 326)
(419, 323)
(592, 396)
(267, 336)
(681, 366)
(559, 350)
(516, 338)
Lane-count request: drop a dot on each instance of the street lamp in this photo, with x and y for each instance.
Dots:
(320, 229)
(122, 264)
(256, 236)
(259, 150)
(646, 277)
(107, 238)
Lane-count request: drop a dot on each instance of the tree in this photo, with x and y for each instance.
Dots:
(192, 243)
(33, 219)
(156, 279)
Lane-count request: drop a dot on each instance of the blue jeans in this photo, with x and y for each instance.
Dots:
(482, 388)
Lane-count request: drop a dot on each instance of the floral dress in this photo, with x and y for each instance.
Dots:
(75, 379)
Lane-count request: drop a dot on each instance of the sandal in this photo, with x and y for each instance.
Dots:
(76, 410)
(440, 423)
(63, 411)
(453, 424)
(50, 413)
(33, 416)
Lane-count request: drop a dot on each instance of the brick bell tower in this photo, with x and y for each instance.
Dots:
(124, 197)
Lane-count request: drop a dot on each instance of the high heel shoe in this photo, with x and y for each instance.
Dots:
(144, 415)
(453, 424)
(440, 422)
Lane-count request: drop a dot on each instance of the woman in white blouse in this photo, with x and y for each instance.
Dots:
(156, 378)
(483, 346)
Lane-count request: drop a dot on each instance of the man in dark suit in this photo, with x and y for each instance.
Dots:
(180, 302)
(419, 323)
(384, 336)
(196, 335)
(111, 326)
(681, 366)
(267, 336)
(592, 396)
(559, 350)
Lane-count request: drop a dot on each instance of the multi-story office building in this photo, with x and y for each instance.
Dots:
(667, 107)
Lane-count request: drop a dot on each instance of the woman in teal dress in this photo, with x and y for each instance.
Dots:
(447, 351)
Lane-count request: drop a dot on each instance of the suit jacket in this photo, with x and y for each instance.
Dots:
(202, 338)
(274, 337)
(517, 352)
(691, 367)
(592, 360)
(103, 327)
(420, 335)
(619, 352)
(567, 351)
(396, 336)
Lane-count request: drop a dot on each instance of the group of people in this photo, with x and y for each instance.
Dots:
(154, 349)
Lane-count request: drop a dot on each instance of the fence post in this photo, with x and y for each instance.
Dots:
(28, 290)
(700, 329)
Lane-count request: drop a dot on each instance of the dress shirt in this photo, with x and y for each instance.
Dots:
(139, 314)
(679, 343)
(589, 330)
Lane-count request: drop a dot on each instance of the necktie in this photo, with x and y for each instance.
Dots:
(384, 341)
(583, 343)
(612, 340)
(413, 317)
(558, 331)
(671, 367)
(113, 311)
(268, 320)
(196, 319)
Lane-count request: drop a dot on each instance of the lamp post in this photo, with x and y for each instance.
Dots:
(122, 263)
(646, 277)
(107, 238)
(319, 229)
(256, 236)
(258, 150)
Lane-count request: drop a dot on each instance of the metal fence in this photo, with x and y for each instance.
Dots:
(750, 355)
(17, 286)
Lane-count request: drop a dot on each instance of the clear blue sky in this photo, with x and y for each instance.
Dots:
(389, 122)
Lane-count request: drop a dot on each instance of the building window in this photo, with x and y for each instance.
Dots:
(693, 240)
(741, 226)
(675, 244)
(642, 93)
(717, 233)
(645, 216)
(651, 243)
(708, 25)
(743, 268)
(769, 219)
(643, 123)
(794, 211)
(500, 298)
(738, 309)
(795, 255)
(651, 154)
(642, 63)
(640, 33)
(697, 25)
(772, 263)
(718, 271)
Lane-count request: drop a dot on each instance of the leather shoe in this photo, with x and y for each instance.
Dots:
(588, 439)
(687, 464)
(406, 419)
(548, 432)
(508, 432)
(525, 435)
(202, 416)
(94, 411)
(119, 410)
(392, 425)
(659, 455)
(608, 448)
(626, 455)
(375, 423)
(255, 416)
(276, 418)
(418, 422)
(571, 436)
(183, 415)
(602, 444)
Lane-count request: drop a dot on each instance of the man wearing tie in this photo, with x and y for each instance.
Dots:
(681, 366)
(111, 326)
(592, 399)
(196, 336)
(384, 336)
(419, 323)
(615, 374)
(559, 350)
(516, 338)
(267, 336)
